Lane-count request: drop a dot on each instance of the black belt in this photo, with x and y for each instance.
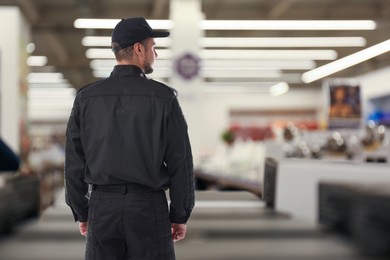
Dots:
(122, 188)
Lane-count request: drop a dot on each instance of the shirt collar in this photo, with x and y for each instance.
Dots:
(127, 70)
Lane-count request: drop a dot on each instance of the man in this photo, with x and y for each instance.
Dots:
(127, 138)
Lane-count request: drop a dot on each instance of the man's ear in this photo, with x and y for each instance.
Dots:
(138, 49)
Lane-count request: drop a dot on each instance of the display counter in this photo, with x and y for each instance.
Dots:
(297, 182)
(221, 181)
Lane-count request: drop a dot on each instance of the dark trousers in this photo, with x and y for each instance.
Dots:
(129, 225)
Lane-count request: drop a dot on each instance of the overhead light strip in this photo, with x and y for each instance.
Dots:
(292, 78)
(262, 84)
(110, 63)
(46, 77)
(86, 23)
(279, 89)
(247, 42)
(280, 64)
(234, 90)
(287, 25)
(105, 41)
(160, 73)
(51, 91)
(236, 73)
(36, 61)
(104, 53)
(49, 85)
(280, 42)
(346, 62)
(269, 54)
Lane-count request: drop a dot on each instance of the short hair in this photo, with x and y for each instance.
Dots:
(122, 54)
(125, 53)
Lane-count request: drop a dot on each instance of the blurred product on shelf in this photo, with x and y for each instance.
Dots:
(290, 132)
(46, 160)
(237, 166)
(255, 133)
(52, 156)
(370, 144)
(336, 143)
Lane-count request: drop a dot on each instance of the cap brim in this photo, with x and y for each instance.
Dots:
(160, 34)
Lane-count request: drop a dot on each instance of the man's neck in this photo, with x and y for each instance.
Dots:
(128, 63)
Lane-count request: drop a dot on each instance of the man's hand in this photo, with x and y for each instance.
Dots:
(83, 227)
(178, 231)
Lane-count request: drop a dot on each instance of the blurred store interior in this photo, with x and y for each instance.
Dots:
(288, 107)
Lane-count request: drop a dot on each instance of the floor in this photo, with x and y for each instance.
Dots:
(224, 226)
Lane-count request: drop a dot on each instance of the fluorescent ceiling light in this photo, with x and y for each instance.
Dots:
(280, 64)
(240, 73)
(269, 54)
(346, 62)
(264, 84)
(102, 63)
(237, 87)
(30, 48)
(36, 61)
(101, 41)
(50, 103)
(49, 85)
(101, 73)
(47, 81)
(241, 64)
(105, 41)
(110, 63)
(277, 42)
(100, 53)
(287, 25)
(279, 89)
(240, 87)
(234, 90)
(293, 78)
(82, 23)
(46, 77)
(157, 73)
(52, 93)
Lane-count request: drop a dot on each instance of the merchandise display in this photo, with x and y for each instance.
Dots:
(371, 144)
(239, 165)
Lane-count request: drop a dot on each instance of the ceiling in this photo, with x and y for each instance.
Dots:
(55, 36)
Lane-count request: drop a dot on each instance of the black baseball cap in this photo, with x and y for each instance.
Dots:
(132, 30)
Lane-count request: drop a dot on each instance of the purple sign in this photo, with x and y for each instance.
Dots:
(187, 66)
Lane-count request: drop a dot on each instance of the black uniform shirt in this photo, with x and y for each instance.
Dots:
(128, 129)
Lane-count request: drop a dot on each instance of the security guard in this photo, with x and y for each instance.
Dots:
(127, 140)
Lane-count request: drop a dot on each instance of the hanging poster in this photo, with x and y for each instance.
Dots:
(343, 104)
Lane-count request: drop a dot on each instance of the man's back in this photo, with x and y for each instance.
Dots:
(123, 123)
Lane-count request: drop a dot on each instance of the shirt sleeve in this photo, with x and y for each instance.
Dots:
(76, 188)
(178, 159)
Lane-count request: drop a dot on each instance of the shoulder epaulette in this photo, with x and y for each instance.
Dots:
(86, 86)
(172, 90)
